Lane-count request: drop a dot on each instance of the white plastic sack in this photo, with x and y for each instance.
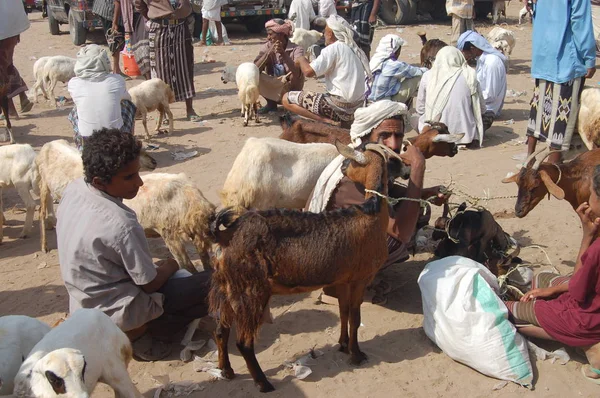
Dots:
(469, 322)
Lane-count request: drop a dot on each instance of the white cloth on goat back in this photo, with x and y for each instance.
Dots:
(304, 11)
(448, 67)
(343, 72)
(365, 120)
(388, 46)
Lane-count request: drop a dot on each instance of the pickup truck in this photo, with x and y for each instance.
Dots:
(77, 13)
(251, 13)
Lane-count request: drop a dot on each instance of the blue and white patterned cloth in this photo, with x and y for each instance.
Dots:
(388, 81)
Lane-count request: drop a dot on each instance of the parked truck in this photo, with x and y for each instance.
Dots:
(77, 13)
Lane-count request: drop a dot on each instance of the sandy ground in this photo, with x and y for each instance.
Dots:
(402, 360)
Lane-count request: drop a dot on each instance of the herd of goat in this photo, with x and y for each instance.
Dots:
(255, 248)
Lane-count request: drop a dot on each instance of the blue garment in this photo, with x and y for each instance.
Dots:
(388, 80)
(563, 40)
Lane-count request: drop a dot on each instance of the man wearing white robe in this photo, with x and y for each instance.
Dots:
(304, 13)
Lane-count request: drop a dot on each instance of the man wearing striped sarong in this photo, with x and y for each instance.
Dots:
(171, 50)
(364, 17)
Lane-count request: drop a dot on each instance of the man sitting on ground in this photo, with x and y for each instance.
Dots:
(344, 67)
(104, 257)
(277, 58)
(392, 78)
(381, 122)
(491, 72)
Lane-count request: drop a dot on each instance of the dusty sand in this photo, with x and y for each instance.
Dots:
(402, 360)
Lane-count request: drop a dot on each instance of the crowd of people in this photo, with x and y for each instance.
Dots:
(104, 256)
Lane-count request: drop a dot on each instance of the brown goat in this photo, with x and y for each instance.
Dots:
(429, 50)
(434, 140)
(571, 181)
(269, 252)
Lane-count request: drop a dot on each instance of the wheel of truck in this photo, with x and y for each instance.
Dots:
(78, 32)
(398, 12)
(438, 10)
(255, 25)
(52, 22)
(483, 8)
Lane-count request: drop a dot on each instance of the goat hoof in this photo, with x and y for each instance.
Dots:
(23, 236)
(344, 348)
(358, 359)
(228, 373)
(264, 386)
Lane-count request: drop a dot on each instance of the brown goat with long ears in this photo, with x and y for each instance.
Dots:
(263, 253)
(434, 140)
(571, 181)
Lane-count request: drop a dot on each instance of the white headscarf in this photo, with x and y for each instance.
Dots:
(365, 120)
(481, 43)
(448, 66)
(344, 33)
(388, 46)
(92, 63)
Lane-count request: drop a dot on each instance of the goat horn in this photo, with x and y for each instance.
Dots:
(380, 149)
(350, 153)
(539, 161)
(533, 155)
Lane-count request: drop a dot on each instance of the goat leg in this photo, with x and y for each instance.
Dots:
(222, 338)
(343, 295)
(171, 120)
(145, 123)
(4, 104)
(177, 249)
(256, 115)
(246, 348)
(45, 202)
(357, 291)
(1, 216)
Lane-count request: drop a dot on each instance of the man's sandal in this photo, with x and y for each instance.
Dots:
(593, 370)
(147, 349)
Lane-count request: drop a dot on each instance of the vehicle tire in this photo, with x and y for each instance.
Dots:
(483, 8)
(52, 23)
(438, 11)
(78, 32)
(255, 24)
(398, 12)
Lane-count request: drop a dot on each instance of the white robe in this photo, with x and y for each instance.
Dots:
(491, 74)
(304, 11)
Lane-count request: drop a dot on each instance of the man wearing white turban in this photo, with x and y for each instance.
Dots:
(450, 93)
(344, 67)
(381, 122)
(392, 78)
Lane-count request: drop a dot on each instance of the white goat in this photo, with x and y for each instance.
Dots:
(151, 95)
(18, 169)
(524, 13)
(57, 69)
(58, 163)
(588, 121)
(73, 357)
(274, 173)
(38, 75)
(19, 334)
(497, 35)
(247, 77)
(306, 39)
(176, 209)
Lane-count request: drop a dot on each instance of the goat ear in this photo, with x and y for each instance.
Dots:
(553, 189)
(512, 177)
(450, 138)
(350, 153)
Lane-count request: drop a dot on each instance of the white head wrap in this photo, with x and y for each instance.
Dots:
(345, 34)
(365, 121)
(448, 66)
(481, 43)
(92, 63)
(388, 46)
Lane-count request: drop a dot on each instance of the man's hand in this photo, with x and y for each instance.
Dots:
(541, 293)
(413, 157)
(278, 47)
(589, 221)
(170, 265)
(372, 19)
(439, 198)
(115, 27)
(590, 73)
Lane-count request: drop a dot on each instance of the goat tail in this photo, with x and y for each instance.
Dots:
(423, 35)
(218, 303)
(250, 95)
(226, 218)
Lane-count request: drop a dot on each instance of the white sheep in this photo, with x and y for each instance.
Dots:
(524, 13)
(18, 170)
(588, 121)
(247, 77)
(57, 69)
(175, 208)
(498, 34)
(19, 334)
(59, 163)
(151, 95)
(73, 357)
(38, 75)
(274, 173)
(306, 39)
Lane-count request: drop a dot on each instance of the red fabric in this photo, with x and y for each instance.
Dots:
(285, 28)
(574, 317)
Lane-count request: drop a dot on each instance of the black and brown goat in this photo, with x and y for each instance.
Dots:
(434, 140)
(429, 50)
(476, 235)
(571, 181)
(272, 252)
